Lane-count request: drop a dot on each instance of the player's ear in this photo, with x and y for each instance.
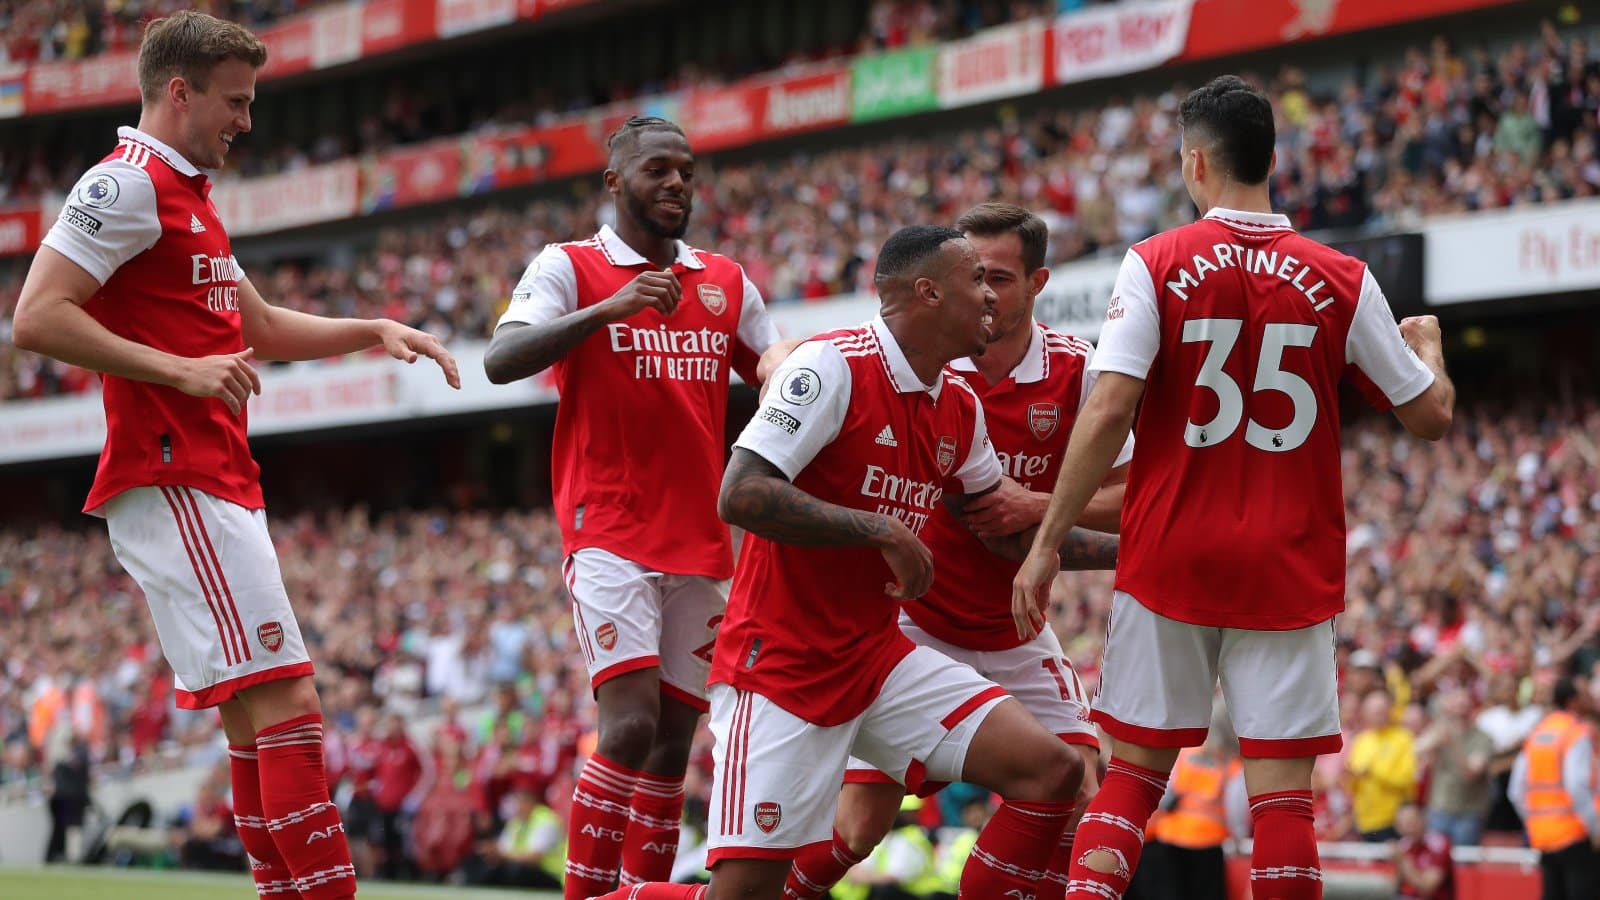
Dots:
(1272, 164)
(613, 181)
(927, 291)
(178, 91)
(1038, 278)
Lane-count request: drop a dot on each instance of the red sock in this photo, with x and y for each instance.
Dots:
(656, 891)
(595, 830)
(266, 863)
(303, 823)
(1013, 848)
(1284, 864)
(1054, 884)
(1115, 823)
(651, 843)
(818, 867)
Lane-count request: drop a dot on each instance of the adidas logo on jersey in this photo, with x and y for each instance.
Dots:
(886, 437)
(195, 225)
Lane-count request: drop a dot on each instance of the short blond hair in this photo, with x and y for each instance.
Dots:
(189, 45)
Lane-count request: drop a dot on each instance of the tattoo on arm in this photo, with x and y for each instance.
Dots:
(758, 498)
(519, 351)
(1084, 550)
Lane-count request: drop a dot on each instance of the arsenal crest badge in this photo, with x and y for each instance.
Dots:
(947, 454)
(714, 299)
(768, 815)
(1043, 419)
(270, 634)
(606, 634)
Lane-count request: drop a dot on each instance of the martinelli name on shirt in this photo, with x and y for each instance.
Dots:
(1270, 263)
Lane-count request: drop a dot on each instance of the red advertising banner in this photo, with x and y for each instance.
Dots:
(322, 193)
(288, 48)
(107, 78)
(805, 102)
(466, 16)
(1221, 27)
(722, 117)
(391, 24)
(412, 175)
(20, 230)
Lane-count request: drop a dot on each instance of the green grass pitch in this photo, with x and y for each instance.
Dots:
(75, 883)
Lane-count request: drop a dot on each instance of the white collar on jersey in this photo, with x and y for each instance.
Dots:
(172, 157)
(905, 378)
(618, 253)
(1250, 219)
(1030, 369)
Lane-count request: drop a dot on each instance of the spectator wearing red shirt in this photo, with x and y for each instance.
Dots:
(398, 771)
(1422, 863)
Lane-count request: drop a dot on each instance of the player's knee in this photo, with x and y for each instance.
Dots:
(862, 826)
(626, 736)
(1050, 773)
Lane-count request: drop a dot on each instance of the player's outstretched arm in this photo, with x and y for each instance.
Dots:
(1429, 414)
(519, 350)
(284, 334)
(757, 497)
(50, 320)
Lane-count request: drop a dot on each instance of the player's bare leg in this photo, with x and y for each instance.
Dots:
(1284, 864)
(1038, 775)
(1111, 834)
(1054, 885)
(866, 813)
(748, 879)
(302, 822)
(650, 844)
(630, 711)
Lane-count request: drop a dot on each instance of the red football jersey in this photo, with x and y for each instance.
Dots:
(1431, 851)
(1029, 416)
(640, 428)
(848, 421)
(142, 223)
(1242, 330)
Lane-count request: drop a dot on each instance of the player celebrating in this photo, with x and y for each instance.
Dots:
(137, 280)
(860, 438)
(642, 330)
(1031, 380)
(1235, 332)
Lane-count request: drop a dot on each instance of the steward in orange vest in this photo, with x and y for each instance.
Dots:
(1187, 836)
(1553, 788)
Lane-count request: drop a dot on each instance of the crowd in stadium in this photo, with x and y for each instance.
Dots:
(1469, 593)
(1440, 132)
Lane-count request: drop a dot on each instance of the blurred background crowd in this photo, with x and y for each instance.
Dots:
(1444, 129)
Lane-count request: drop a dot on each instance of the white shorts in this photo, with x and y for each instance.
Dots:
(210, 576)
(630, 618)
(1159, 676)
(776, 776)
(1037, 673)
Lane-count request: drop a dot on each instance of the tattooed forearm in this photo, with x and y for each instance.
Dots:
(518, 351)
(758, 498)
(1084, 550)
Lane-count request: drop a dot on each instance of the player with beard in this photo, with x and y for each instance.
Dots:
(1031, 380)
(642, 331)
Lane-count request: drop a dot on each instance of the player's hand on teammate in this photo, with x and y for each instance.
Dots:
(657, 289)
(1030, 591)
(1421, 331)
(772, 359)
(1006, 510)
(909, 559)
(229, 377)
(406, 343)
